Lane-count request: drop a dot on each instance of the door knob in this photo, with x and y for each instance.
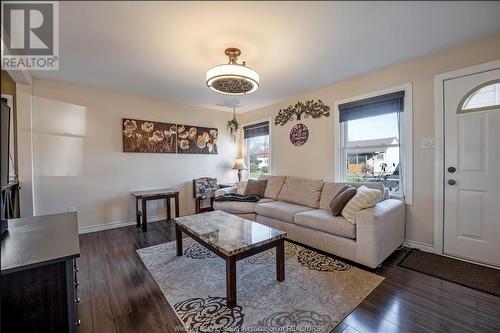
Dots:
(452, 182)
(452, 169)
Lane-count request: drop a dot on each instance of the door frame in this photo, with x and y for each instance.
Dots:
(439, 167)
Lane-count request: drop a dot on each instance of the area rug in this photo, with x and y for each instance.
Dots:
(318, 291)
(464, 273)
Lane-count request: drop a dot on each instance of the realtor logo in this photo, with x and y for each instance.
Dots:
(30, 35)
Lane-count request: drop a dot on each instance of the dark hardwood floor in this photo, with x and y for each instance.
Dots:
(119, 295)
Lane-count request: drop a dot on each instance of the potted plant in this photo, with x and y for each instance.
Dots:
(233, 126)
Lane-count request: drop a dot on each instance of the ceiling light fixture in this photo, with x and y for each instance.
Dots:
(233, 78)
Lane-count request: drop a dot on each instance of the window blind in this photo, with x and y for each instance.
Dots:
(373, 106)
(254, 130)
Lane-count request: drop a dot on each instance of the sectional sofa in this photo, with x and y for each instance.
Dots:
(301, 208)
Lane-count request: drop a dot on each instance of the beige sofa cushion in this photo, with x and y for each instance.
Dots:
(305, 192)
(280, 210)
(323, 220)
(235, 207)
(273, 187)
(364, 198)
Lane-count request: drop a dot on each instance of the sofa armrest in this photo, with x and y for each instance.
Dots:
(379, 231)
(225, 190)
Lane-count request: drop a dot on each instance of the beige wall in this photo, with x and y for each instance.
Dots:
(316, 158)
(78, 159)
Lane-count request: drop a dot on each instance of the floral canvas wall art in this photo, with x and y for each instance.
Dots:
(142, 136)
(196, 140)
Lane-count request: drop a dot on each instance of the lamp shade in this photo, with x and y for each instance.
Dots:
(239, 164)
(232, 78)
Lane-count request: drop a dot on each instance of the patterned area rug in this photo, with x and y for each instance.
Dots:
(318, 291)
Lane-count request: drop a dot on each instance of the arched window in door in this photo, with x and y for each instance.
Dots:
(484, 97)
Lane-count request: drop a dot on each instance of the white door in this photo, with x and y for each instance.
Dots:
(472, 167)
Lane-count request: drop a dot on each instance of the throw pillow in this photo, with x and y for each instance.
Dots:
(364, 198)
(341, 199)
(256, 187)
(240, 187)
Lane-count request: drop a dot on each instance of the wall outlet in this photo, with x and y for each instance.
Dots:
(427, 143)
(71, 209)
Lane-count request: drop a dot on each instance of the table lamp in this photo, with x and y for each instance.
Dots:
(239, 165)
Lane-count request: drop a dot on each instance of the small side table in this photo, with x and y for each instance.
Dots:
(158, 194)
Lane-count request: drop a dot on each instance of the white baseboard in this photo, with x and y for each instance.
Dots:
(106, 226)
(419, 245)
(126, 223)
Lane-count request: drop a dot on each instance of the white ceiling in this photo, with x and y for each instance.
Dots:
(163, 49)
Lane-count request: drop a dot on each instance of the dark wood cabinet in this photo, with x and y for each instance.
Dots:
(39, 276)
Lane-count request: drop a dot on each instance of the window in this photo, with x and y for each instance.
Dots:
(374, 143)
(483, 97)
(257, 142)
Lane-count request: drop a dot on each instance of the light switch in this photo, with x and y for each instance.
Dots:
(427, 143)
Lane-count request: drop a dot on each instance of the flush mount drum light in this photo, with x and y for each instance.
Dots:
(233, 78)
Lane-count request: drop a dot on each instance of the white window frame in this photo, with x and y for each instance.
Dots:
(406, 139)
(244, 144)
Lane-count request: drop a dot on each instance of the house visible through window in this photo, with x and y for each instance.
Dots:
(258, 159)
(370, 142)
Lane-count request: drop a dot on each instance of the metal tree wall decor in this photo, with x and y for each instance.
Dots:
(308, 109)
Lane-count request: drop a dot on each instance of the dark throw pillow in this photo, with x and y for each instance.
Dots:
(341, 199)
(345, 187)
(256, 187)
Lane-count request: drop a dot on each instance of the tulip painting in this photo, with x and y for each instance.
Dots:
(142, 136)
(197, 140)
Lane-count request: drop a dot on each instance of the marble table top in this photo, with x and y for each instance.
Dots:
(158, 191)
(229, 233)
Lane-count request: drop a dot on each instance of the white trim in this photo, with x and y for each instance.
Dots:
(126, 223)
(244, 145)
(439, 143)
(406, 137)
(338, 134)
(419, 245)
(107, 226)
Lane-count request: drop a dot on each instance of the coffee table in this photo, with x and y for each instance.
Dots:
(232, 238)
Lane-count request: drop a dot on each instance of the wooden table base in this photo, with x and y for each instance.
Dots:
(231, 293)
